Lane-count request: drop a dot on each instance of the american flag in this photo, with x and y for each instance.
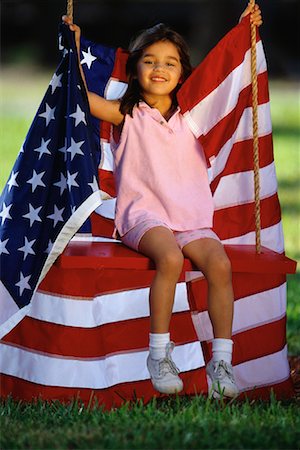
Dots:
(87, 331)
(52, 188)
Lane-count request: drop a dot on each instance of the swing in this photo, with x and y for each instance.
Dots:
(119, 341)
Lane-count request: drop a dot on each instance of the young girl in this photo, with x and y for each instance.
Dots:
(164, 204)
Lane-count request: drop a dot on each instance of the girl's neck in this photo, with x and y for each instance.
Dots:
(165, 105)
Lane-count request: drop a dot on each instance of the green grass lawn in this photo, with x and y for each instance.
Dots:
(181, 423)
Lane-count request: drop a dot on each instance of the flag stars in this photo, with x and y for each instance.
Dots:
(57, 215)
(79, 116)
(49, 248)
(5, 213)
(3, 248)
(56, 82)
(12, 181)
(36, 180)
(74, 148)
(33, 214)
(23, 283)
(48, 114)
(64, 150)
(43, 149)
(88, 58)
(27, 247)
(71, 180)
(94, 185)
(62, 184)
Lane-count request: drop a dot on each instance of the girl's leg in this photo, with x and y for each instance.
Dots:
(160, 245)
(210, 257)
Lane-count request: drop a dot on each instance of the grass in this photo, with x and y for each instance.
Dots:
(177, 423)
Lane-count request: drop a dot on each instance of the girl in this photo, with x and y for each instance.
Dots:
(164, 208)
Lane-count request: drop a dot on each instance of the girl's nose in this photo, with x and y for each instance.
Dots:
(158, 65)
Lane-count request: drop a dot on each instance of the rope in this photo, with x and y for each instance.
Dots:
(255, 136)
(70, 9)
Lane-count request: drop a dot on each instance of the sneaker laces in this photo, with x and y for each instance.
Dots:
(222, 368)
(167, 365)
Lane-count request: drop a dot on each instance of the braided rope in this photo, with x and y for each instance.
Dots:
(70, 9)
(255, 136)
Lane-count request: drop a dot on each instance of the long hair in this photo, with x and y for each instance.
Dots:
(159, 32)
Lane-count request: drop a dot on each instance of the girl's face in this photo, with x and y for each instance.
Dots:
(159, 69)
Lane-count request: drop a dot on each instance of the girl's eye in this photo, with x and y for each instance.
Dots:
(170, 65)
(148, 62)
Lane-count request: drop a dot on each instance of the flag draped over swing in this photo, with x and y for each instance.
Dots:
(70, 343)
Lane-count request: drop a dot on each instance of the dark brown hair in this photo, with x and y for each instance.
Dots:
(146, 38)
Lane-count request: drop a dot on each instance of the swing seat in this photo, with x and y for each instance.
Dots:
(88, 330)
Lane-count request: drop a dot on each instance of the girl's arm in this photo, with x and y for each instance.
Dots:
(255, 14)
(108, 110)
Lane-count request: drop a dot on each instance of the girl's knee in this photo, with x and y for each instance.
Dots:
(170, 262)
(220, 269)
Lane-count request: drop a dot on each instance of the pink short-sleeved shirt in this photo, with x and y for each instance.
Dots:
(161, 173)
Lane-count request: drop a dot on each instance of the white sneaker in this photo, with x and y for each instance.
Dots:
(164, 373)
(221, 376)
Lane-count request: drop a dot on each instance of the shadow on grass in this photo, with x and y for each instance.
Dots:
(290, 131)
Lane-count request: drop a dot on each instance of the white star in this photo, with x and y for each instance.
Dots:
(27, 247)
(64, 150)
(62, 184)
(79, 116)
(3, 248)
(74, 149)
(57, 215)
(49, 248)
(5, 212)
(88, 58)
(33, 214)
(36, 180)
(23, 283)
(60, 46)
(48, 114)
(55, 82)
(12, 181)
(71, 179)
(94, 184)
(43, 149)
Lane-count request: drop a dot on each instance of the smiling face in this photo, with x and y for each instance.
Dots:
(159, 70)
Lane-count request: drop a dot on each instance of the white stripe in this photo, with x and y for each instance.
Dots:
(107, 208)
(8, 306)
(238, 188)
(115, 89)
(90, 373)
(243, 132)
(249, 312)
(107, 159)
(222, 100)
(81, 238)
(271, 237)
(103, 309)
(265, 371)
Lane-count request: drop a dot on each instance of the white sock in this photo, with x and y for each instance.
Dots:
(157, 344)
(222, 349)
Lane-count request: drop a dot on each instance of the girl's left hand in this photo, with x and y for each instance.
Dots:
(255, 14)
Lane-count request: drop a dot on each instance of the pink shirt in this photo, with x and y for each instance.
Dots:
(161, 173)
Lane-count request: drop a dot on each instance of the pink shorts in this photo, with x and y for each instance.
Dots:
(132, 237)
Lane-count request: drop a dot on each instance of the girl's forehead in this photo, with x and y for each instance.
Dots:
(162, 47)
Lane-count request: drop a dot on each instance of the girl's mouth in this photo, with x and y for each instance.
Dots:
(158, 79)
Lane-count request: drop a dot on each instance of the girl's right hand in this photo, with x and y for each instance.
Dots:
(73, 27)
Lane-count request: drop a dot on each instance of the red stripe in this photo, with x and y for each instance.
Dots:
(115, 396)
(282, 391)
(241, 158)
(243, 286)
(218, 64)
(119, 70)
(194, 383)
(214, 140)
(101, 226)
(254, 343)
(77, 342)
(88, 283)
(238, 220)
(107, 182)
